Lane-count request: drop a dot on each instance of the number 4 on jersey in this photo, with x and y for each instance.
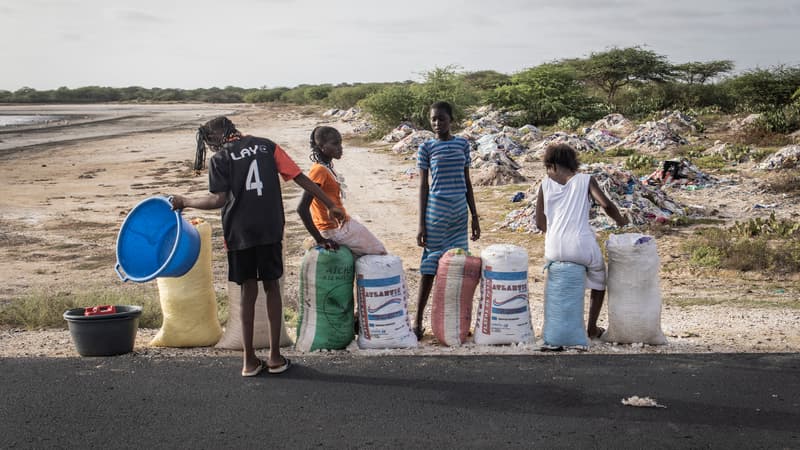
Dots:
(253, 180)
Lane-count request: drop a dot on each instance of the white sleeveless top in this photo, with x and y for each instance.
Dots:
(569, 236)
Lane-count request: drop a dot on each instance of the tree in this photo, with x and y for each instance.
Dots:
(765, 89)
(485, 80)
(544, 94)
(700, 72)
(390, 106)
(346, 96)
(442, 84)
(612, 69)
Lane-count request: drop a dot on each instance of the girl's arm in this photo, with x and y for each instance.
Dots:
(476, 226)
(304, 210)
(608, 206)
(541, 219)
(309, 186)
(213, 200)
(422, 231)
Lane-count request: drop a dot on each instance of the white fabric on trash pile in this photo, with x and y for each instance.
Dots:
(616, 123)
(411, 143)
(786, 158)
(739, 124)
(579, 143)
(601, 137)
(399, 133)
(680, 122)
(652, 137)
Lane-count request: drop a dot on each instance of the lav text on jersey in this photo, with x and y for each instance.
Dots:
(248, 152)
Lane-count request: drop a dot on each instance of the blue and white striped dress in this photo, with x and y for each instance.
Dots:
(447, 214)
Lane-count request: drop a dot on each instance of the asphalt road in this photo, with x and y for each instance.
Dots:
(549, 401)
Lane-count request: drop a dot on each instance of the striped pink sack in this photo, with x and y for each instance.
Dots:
(457, 277)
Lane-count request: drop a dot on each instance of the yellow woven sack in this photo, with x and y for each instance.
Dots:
(188, 303)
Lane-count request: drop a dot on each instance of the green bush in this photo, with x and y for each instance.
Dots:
(736, 153)
(758, 244)
(638, 162)
(296, 95)
(442, 84)
(568, 123)
(710, 162)
(264, 95)
(620, 151)
(346, 97)
(390, 106)
(593, 157)
(411, 102)
(546, 93)
(760, 90)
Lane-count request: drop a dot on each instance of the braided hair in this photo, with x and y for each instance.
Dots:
(214, 133)
(318, 135)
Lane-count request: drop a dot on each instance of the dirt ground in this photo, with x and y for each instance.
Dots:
(69, 187)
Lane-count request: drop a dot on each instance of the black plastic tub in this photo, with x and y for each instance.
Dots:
(106, 334)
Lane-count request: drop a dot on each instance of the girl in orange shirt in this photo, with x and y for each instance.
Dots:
(326, 145)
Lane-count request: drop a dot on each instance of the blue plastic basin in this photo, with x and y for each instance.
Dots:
(155, 241)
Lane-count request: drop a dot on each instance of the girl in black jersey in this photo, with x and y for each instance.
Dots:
(243, 181)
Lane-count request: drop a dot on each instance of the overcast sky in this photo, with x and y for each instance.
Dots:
(46, 44)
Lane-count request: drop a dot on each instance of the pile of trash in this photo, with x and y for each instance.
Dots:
(361, 124)
(652, 137)
(529, 134)
(486, 121)
(499, 142)
(614, 123)
(399, 133)
(740, 124)
(680, 122)
(786, 158)
(681, 173)
(601, 137)
(345, 115)
(411, 143)
(579, 143)
(641, 203)
(495, 169)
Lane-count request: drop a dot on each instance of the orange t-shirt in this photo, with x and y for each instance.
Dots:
(322, 176)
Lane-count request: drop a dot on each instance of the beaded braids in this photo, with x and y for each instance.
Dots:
(319, 135)
(214, 133)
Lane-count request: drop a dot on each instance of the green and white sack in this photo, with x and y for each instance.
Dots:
(326, 300)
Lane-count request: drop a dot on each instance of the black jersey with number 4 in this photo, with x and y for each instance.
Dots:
(253, 212)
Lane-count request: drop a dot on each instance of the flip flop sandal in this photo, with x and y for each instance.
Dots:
(274, 370)
(552, 348)
(260, 367)
(600, 332)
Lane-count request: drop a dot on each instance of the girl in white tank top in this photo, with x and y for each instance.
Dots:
(562, 213)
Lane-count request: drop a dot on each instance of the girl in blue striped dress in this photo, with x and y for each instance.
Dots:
(444, 200)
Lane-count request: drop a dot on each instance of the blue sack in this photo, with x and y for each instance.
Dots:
(563, 305)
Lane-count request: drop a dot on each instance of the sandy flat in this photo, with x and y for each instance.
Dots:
(69, 186)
